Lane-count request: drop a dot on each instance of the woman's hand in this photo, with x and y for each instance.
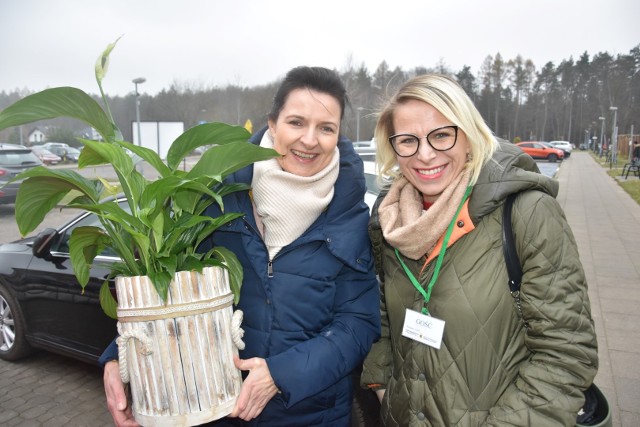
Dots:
(257, 389)
(116, 397)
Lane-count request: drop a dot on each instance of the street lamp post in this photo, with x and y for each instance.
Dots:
(614, 138)
(601, 135)
(137, 82)
(358, 123)
(586, 138)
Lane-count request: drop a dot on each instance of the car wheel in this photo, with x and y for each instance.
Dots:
(13, 344)
(552, 158)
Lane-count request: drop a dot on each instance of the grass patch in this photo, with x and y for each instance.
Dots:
(630, 185)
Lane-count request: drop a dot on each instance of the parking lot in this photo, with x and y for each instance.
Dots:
(51, 390)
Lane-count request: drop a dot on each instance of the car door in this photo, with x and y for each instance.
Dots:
(60, 314)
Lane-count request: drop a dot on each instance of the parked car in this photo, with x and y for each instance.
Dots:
(50, 145)
(13, 160)
(366, 149)
(41, 302)
(46, 156)
(538, 150)
(565, 146)
(370, 175)
(566, 153)
(66, 153)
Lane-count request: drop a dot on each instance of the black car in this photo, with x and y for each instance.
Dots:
(66, 153)
(14, 159)
(41, 302)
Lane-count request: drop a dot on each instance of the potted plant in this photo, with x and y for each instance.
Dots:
(174, 303)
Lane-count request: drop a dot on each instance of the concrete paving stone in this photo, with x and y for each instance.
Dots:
(628, 392)
(14, 402)
(624, 341)
(7, 414)
(606, 384)
(58, 421)
(20, 391)
(17, 422)
(619, 305)
(625, 364)
(621, 322)
(37, 410)
(629, 419)
(627, 291)
(89, 419)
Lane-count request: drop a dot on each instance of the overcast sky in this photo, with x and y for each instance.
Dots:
(50, 43)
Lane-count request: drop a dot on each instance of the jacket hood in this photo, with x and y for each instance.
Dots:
(508, 171)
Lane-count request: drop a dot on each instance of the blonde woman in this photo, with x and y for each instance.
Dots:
(455, 348)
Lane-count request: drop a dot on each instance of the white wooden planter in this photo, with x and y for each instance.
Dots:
(178, 356)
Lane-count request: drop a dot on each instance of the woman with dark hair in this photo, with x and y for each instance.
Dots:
(457, 349)
(309, 293)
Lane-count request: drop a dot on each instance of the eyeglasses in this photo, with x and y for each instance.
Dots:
(441, 139)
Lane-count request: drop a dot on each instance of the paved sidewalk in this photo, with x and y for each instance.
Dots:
(606, 224)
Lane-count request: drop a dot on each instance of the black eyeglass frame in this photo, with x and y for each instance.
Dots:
(455, 140)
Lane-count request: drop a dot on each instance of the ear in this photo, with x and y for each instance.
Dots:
(272, 128)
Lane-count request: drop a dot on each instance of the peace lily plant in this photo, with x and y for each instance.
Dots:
(164, 224)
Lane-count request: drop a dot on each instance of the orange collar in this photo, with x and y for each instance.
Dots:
(463, 226)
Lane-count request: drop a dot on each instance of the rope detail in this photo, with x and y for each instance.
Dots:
(122, 340)
(170, 311)
(236, 331)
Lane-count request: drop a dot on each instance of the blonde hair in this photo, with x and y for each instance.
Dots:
(448, 97)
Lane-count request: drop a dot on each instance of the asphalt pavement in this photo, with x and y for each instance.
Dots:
(50, 390)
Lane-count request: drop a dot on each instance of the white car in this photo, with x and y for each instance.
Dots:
(370, 175)
(563, 145)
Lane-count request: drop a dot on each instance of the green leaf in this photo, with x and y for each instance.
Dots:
(160, 191)
(161, 280)
(84, 244)
(232, 264)
(107, 302)
(223, 160)
(201, 135)
(43, 189)
(100, 153)
(147, 155)
(58, 102)
(112, 211)
(157, 228)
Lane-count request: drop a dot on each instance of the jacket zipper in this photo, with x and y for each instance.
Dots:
(270, 263)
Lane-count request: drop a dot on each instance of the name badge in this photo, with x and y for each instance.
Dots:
(422, 328)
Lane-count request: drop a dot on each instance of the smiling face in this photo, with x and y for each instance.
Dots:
(430, 171)
(306, 131)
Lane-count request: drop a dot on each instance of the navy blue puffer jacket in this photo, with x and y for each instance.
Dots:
(313, 311)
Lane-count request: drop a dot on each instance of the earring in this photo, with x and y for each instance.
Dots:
(469, 157)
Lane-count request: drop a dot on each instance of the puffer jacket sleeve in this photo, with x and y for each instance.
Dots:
(560, 337)
(376, 370)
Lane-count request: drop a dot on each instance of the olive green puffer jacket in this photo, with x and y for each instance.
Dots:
(490, 369)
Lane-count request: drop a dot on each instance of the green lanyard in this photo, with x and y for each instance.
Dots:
(427, 294)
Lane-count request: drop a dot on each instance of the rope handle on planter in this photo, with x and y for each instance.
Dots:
(143, 338)
(236, 331)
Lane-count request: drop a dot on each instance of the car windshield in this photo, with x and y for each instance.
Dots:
(72, 150)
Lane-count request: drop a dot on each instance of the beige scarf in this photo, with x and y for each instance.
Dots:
(411, 229)
(288, 204)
